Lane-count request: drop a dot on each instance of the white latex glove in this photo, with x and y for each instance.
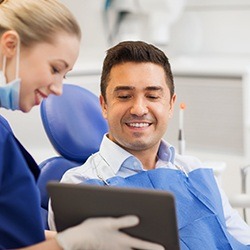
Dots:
(103, 234)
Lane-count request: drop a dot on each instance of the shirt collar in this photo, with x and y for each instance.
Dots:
(126, 160)
(166, 152)
(108, 149)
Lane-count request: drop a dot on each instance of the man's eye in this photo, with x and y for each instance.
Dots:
(153, 97)
(124, 97)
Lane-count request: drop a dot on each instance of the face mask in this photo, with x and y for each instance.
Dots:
(9, 92)
(9, 95)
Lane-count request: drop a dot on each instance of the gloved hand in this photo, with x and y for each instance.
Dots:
(103, 234)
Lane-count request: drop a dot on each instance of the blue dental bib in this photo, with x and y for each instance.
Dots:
(200, 217)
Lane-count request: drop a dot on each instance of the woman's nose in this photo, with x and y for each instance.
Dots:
(56, 88)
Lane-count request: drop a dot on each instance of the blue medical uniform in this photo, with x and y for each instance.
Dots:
(200, 217)
(20, 218)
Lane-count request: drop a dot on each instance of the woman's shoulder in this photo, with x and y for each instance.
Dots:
(4, 125)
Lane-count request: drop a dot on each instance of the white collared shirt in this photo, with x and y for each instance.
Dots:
(103, 163)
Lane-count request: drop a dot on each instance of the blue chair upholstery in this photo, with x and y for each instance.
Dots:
(75, 126)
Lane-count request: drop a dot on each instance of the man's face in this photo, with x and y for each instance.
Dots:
(138, 105)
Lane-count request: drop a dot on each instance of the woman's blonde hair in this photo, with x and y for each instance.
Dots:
(37, 20)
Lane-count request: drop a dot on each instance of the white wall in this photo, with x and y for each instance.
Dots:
(89, 15)
(215, 26)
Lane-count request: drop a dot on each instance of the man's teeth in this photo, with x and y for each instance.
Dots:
(139, 125)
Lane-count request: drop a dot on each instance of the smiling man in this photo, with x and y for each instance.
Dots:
(137, 105)
(137, 99)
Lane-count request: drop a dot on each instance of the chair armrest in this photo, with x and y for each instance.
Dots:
(240, 201)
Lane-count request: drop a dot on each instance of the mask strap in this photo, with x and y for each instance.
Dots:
(4, 65)
(2, 72)
(18, 60)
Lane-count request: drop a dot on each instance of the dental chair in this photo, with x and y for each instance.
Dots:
(244, 172)
(75, 126)
(242, 200)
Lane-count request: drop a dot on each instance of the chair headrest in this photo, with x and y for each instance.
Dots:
(73, 122)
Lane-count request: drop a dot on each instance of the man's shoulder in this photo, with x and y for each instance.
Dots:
(83, 172)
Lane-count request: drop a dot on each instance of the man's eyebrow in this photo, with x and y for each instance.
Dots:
(149, 88)
(154, 88)
(119, 88)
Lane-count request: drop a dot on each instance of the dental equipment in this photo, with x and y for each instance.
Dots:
(181, 138)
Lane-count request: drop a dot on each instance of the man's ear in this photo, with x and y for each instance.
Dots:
(104, 106)
(173, 99)
(9, 43)
(172, 102)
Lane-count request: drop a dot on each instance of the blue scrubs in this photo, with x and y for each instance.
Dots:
(201, 222)
(20, 217)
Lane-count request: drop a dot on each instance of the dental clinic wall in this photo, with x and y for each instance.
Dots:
(215, 26)
(209, 42)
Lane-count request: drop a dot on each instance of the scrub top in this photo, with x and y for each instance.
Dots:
(20, 218)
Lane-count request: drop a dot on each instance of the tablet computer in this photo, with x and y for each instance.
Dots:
(73, 203)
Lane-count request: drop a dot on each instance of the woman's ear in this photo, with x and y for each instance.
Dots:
(104, 106)
(9, 43)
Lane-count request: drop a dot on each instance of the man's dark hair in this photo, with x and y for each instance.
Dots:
(137, 52)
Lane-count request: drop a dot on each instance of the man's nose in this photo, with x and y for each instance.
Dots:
(139, 107)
